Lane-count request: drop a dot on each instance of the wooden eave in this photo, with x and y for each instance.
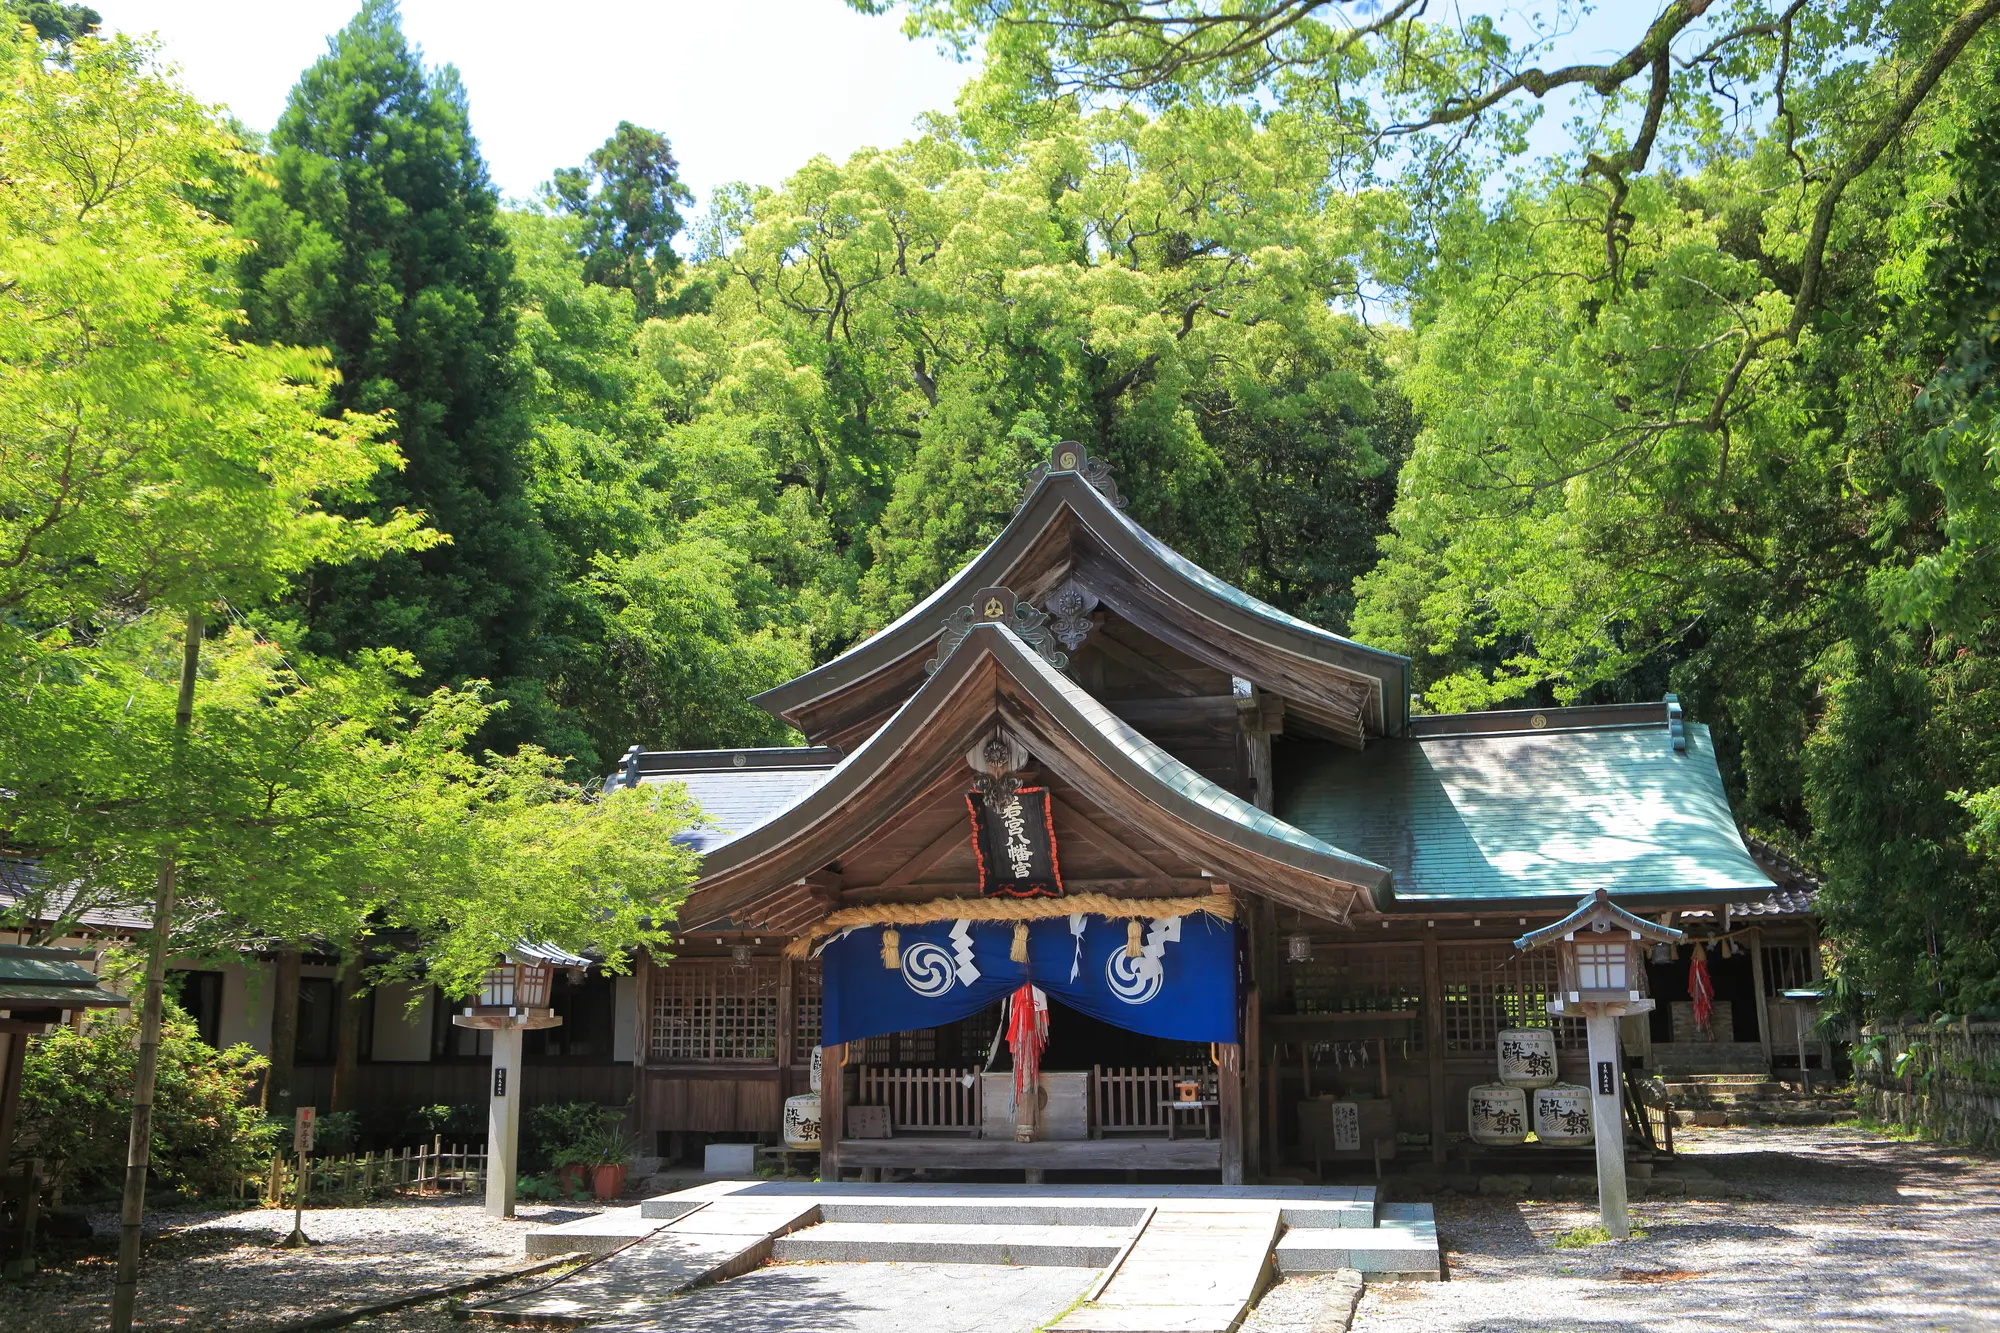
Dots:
(1342, 688)
(993, 678)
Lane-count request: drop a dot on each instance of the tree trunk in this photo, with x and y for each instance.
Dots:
(347, 1005)
(278, 1097)
(139, 1149)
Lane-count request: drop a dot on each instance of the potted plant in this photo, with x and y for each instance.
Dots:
(611, 1151)
(572, 1165)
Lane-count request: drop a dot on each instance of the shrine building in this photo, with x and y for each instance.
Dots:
(1093, 862)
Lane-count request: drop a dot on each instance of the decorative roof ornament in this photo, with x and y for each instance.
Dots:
(1069, 456)
(1070, 606)
(999, 606)
(1000, 762)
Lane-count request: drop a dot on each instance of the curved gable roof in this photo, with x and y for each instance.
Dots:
(1202, 614)
(992, 675)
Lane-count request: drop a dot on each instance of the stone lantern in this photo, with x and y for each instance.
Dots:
(513, 998)
(1599, 963)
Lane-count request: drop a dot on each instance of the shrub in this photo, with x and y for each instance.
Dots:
(336, 1133)
(556, 1133)
(76, 1107)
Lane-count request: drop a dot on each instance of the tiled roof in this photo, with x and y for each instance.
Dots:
(22, 894)
(736, 800)
(1554, 814)
(1235, 596)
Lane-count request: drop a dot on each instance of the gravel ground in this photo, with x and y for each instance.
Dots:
(1823, 1229)
(217, 1270)
(1804, 1231)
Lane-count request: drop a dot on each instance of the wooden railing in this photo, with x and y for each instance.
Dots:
(437, 1168)
(1128, 1099)
(924, 1101)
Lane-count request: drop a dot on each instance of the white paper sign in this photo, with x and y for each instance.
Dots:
(1346, 1127)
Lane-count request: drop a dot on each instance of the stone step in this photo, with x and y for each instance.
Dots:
(706, 1245)
(953, 1243)
(1403, 1246)
(1101, 1206)
(1763, 1115)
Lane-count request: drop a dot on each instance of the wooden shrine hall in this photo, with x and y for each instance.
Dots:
(1094, 862)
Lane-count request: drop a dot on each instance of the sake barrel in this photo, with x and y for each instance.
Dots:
(1562, 1114)
(1496, 1113)
(1528, 1057)
(802, 1121)
(814, 1084)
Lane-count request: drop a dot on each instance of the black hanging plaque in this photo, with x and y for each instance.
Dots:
(1016, 843)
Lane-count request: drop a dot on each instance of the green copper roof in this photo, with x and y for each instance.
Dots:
(1504, 818)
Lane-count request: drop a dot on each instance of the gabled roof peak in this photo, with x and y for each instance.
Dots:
(1071, 547)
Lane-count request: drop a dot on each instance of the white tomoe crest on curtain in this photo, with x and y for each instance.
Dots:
(931, 969)
(1137, 980)
(928, 970)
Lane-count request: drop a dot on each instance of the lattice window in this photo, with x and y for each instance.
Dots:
(1787, 967)
(1358, 978)
(712, 1010)
(1488, 987)
(1362, 978)
(806, 1008)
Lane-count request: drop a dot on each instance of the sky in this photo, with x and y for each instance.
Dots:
(745, 89)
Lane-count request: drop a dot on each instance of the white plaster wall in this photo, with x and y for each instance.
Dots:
(624, 1019)
(403, 1033)
(246, 1006)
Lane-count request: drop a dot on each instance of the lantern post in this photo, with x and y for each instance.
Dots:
(1598, 947)
(513, 999)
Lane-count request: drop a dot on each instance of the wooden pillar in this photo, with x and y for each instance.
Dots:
(1434, 1043)
(278, 1097)
(832, 1109)
(1229, 1092)
(1253, 1040)
(1763, 1003)
(643, 1108)
(787, 1017)
(13, 1051)
(347, 1050)
(1818, 973)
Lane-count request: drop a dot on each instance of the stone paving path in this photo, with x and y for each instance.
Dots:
(1822, 1230)
(871, 1298)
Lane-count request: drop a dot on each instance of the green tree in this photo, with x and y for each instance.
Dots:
(627, 196)
(54, 21)
(898, 337)
(376, 233)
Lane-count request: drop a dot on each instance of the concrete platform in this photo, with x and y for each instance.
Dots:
(707, 1243)
(591, 1235)
(1402, 1245)
(954, 1243)
(1174, 1258)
